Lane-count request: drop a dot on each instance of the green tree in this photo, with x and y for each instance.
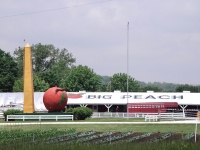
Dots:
(166, 87)
(18, 85)
(119, 82)
(44, 58)
(187, 87)
(51, 77)
(104, 88)
(38, 84)
(19, 57)
(56, 74)
(105, 79)
(8, 72)
(81, 78)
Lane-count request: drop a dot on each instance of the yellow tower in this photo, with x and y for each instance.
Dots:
(28, 81)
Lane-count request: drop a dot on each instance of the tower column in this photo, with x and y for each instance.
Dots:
(28, 81)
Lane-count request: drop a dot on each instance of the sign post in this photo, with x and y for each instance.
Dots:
(198, 117)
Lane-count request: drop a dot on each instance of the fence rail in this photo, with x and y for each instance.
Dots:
(137, 115)
(146, 116)
(1, 115)
(39, 117)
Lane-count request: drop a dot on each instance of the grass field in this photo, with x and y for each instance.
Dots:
(114, 146)
(177, 128)
(145, 128)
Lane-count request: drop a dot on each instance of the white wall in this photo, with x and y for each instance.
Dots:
(106, 98)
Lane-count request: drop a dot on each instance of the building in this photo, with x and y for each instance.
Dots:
(108, 101)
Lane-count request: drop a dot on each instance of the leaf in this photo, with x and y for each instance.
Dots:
(62, 99)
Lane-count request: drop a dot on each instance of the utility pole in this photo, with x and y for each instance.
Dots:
(127, 66)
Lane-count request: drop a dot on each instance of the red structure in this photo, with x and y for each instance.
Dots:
(55, 99)
(152, 107)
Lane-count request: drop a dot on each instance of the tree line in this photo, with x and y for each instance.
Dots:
(56, 67)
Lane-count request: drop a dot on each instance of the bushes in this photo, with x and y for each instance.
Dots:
(70, 110)
(11, 112)
(81, 113)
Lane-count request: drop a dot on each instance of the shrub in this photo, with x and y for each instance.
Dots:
(70, 110)
(81, 113)
(11, 112)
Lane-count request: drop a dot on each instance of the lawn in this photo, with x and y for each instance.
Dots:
(177, 128)
(22, 144)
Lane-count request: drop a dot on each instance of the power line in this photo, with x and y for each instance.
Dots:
(53, 9)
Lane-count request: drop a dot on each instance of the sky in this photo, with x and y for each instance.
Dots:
(160, 44)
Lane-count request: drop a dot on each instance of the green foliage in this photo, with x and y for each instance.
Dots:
(81, 113)
(51, 77)
(19, 59)
(18, 85)
(38, 84)
(56, 139)
(70, 110)
(11, 112)
(104, 84)
(105, 79)
(56, 74)
(44, 58)
(165, 87)
(81, 78)
(8, 72)
(104, 88)
(21, 136)
(186, 87)
(119, 82)
(114, 145)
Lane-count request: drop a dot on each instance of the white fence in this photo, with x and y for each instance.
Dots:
(168, 116)
(39, 117)
(151, 117)
(146, 116)
(138, 115)
(1, 115)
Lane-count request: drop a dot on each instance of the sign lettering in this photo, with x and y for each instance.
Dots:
(136, 97)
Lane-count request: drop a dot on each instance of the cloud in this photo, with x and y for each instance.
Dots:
(164, 36)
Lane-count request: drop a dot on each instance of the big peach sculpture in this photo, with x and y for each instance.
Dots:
(55, 99)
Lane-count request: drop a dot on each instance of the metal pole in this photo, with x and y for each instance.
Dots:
(127, 67)
(195, 132)
(110, 86)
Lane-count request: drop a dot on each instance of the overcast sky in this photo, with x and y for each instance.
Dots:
(164, 35)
